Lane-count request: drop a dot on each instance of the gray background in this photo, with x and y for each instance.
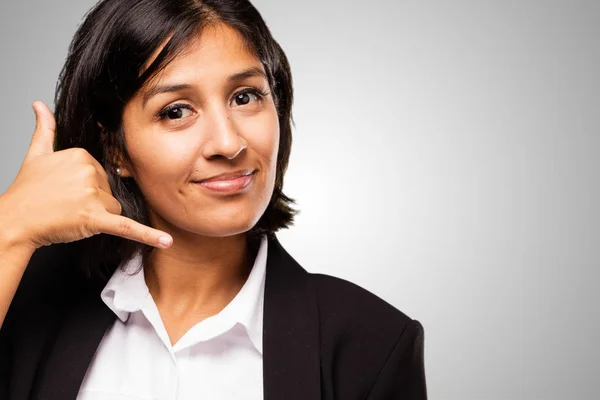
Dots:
(445, 158)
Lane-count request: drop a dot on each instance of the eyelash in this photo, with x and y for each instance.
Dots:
(162, 114)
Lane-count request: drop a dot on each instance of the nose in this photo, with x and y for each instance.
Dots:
(223, 137)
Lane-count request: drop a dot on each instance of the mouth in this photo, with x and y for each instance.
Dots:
(228, 183)
(229, 176)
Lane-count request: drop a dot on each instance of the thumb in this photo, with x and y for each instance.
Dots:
(42, 141)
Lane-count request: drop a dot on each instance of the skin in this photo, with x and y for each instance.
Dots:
(209, 260)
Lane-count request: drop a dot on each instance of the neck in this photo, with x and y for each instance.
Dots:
(197, 274)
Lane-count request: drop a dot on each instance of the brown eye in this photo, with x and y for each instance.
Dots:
(176, 111)
(245, 98)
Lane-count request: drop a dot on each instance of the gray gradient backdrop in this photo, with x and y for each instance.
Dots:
(445, 158)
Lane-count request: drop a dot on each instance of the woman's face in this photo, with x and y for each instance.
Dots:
(203, 116)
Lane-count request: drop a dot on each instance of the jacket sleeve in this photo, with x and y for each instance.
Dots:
(402, 377)
(37, 280)
(5, 356)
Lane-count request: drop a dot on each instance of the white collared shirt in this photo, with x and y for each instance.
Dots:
(218, 358)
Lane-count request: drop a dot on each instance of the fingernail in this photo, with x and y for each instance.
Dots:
(165, 241)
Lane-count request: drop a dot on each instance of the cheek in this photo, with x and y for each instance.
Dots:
(263, 137)
(161, 157)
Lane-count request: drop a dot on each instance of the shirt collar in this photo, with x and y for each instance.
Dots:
(127, 292)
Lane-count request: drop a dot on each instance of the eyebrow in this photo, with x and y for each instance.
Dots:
(169, 88)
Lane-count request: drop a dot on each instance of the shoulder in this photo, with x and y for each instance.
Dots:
(50, 281)
(349, 306)
(365, 337)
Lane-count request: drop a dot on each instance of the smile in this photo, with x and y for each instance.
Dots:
(228, 186)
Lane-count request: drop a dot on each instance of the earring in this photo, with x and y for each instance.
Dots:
(118, 171)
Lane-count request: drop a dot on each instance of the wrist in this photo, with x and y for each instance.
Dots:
(11, 240)
(12, 234)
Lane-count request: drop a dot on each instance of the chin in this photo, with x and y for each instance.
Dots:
(212, 220)
(219, 226)
(225, 230)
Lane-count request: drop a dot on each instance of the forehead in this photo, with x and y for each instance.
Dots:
(217, 51)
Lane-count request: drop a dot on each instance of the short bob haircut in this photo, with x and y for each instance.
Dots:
(104, 69)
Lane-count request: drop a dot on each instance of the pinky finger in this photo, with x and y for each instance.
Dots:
(129, 229)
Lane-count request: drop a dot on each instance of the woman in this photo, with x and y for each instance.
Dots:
(138, 250)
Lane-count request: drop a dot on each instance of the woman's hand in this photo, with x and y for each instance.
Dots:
(64, 196)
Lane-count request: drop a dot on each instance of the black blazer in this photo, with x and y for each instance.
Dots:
(323, 337)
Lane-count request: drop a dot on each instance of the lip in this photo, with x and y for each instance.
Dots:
(229, 176)
(230, 183)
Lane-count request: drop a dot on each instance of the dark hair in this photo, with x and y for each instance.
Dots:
(105, 69)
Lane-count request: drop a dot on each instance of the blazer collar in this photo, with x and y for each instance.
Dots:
(291, 364)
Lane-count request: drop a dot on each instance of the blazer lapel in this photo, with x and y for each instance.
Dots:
(291, 362)
(78, 338)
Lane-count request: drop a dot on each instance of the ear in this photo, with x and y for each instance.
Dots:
(125, 170)
(117, 160)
